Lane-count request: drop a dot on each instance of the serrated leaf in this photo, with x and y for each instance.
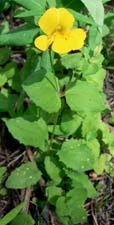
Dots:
(20, 36)
(24, 219)
(24, 176)
(98, 15)
(76, 155)
(52, 169)
(85, 97)
(11, 215)
(27, 132)
(43, 91)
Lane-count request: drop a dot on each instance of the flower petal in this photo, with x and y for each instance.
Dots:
(42, 42)
(66, 19)
(61, 44)
(49, 21)
(77, 37)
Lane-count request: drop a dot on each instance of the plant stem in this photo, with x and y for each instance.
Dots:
(53, 131)
(57, 89)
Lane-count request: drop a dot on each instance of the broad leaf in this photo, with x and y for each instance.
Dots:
(27, 132)
(84, 181)
(24, 176)
(43, 91)
(52, 193)
(71, 61)
(76, 155)
(85, 97)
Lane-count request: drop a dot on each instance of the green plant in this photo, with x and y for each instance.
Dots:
(63, 117)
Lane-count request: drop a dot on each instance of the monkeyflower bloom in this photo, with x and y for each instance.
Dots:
(57, 23)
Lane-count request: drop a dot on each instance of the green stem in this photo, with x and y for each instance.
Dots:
(53, 131)
(57, 89)
(52, 66)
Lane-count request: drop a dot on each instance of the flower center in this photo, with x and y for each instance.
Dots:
(59, 28)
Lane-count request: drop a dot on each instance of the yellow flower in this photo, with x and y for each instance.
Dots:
(57, 24)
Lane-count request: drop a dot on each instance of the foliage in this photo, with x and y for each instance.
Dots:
(62, 118)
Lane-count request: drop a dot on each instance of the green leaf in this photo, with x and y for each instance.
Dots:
(84, 181)
(95, 37)
(20, 36)
(79, 215)
(28, 133)
(28, 13)
(43, 91)
(101, 163)
(46, 61)
(90, 125)
(24, 219)
(96, 10)
(76, 155)
(24, 176)
(97, 78)
(70, 122)
(94, 146)
(3, 80)
(80, 17)
(62, 210)
(11, 215)
(69, 208)
(51, 3)
(10, 69)
(7, 102)
(71, 61)
(53, 192)
(32, 64)
(4, 55)
(32, 5)
(2, 171)
(52, 169)
(76, 196)
(85, 97)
